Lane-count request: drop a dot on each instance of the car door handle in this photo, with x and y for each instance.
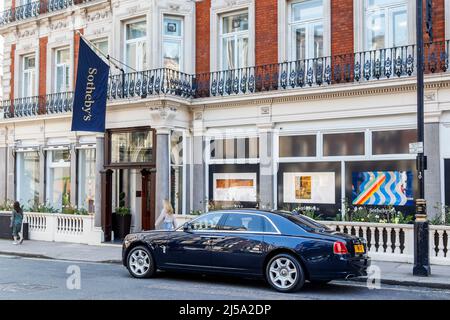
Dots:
(211, 237)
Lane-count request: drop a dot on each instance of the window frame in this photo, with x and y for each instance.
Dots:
(359, 23)
(66, 70)
(309, 26)
(175, 39)
(235, 36)
(138, 41)
(388, 11)
(31, 72)
(265, 218)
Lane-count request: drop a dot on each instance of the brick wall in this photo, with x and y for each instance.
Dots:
(76, 46)
(438, 20)
(11, 70)
(266, 32)
(202, 36)
(342, 31)
(42, 66)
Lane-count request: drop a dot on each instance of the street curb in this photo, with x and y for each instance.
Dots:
(40, 256)
(407, 283)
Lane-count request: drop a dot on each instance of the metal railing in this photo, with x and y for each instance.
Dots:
(348, 68)
(34, 9)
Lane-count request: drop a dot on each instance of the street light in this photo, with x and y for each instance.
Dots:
(421, 233)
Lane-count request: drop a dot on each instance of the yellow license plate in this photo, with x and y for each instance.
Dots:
(359, 248)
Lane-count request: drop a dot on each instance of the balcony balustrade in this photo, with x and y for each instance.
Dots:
(34, 9)
(361, 67)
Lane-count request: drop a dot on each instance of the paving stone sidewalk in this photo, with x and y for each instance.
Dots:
(108, 253)
(391, 272)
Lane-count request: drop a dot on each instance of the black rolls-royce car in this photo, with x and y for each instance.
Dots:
(280, 247)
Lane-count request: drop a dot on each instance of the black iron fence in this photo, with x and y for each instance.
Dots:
(348, 68)
(35, 8)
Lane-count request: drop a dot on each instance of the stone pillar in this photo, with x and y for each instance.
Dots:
(10, 168)
(198, 173)
(162, 169)
(3, 151)
(266, 179)
(99, 162)
(188, 165)
(433, 172)
(41, 173)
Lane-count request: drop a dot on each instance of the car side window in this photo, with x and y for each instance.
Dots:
(245, 222)
(207, 222)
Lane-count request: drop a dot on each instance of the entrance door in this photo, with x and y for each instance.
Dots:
(148, 199)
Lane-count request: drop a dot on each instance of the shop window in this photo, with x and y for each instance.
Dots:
(233, 185)
(311, 186)
(343, 144)
(382, 141)
(132, 147)
(239, 148)
(58, 178)
(381, 184)
(86, 179)
(176, 171)
(27, 178)
(297, 146)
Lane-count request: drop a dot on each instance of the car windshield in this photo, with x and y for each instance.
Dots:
(304, 221)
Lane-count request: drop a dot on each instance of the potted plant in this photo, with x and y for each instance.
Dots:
(123, 220)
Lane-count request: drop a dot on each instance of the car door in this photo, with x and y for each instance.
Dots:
(189, 248)
(238, 247)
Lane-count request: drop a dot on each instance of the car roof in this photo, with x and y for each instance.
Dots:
(253, 210)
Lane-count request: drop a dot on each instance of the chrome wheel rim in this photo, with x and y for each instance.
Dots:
(283, 273)
(139, 262)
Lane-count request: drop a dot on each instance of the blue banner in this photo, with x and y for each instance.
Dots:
(89, 105)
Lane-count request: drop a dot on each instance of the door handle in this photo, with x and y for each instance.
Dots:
(211, 237)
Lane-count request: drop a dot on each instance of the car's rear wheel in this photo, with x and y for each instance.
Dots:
(140, 263)
(284, 273)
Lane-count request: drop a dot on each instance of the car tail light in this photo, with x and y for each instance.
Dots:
(339, 248)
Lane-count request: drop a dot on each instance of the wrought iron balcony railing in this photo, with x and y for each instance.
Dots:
(34, 9)
(348, 68)
(32, 106)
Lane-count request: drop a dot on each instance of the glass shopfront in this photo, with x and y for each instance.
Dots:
(27, 178)
(132, 147)
(234, 172)
(86, 179)
(321, 172)
(58, 178)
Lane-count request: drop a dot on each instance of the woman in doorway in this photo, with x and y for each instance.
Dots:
(16, 223)
(167, 216)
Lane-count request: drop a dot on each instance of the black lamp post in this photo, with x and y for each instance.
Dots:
(421, 234)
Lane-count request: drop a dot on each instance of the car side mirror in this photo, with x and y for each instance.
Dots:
(187, 227)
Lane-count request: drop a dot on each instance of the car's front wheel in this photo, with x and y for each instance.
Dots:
(140, 263)
(284, 273)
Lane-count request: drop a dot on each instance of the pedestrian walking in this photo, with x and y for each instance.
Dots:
(167, 216)
(16, 223)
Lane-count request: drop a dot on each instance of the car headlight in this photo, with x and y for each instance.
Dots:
(129, 239)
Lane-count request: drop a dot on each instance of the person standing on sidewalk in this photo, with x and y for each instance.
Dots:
(16, 223)
(167, 216)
